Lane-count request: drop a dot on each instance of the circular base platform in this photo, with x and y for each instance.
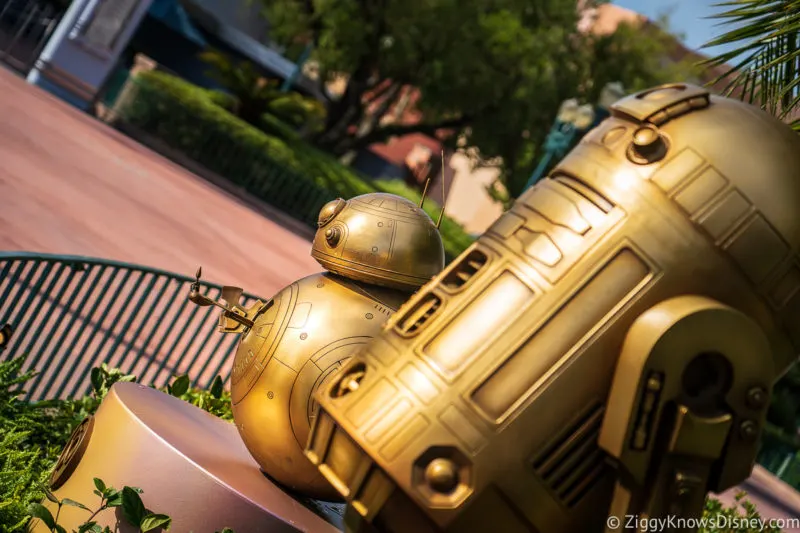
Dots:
(190, 465)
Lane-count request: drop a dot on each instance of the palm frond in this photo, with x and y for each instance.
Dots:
(765, 35)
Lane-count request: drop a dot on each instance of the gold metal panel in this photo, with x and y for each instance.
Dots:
(463, 429)
(786, 287)
(679, 168)
(643, 106)
(418, 383)
(473, 330)
(557, 209)
(492, 511)
(521, 373)
(556, 242)
(758, 249)
(387, 351)
(254, 351)
(399, 442)
(726, 215)
(506, 226)
(792, 317)
(372, 402)
(300, 315)
(701, 191)
(539, 246)
(342, 469)
(391, 419)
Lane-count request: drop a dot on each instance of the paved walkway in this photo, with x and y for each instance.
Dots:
(71, 185)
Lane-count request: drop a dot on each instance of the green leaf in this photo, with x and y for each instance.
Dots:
(41, 512)
(153, 521)
(180, 386)
(73, 503)
(216, 387)
(96, 378)
(132, 506)
(60, 529)
(113, 498)
(99, 483)
(89, 526)
(762, 39)
(50, 496)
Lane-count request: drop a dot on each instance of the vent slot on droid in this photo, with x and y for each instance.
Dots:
(584, 190)
(417, 315)
(573, 464)
(465, 270)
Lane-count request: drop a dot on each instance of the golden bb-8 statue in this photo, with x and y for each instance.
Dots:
(377, 249)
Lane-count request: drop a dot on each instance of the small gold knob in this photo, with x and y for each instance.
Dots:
(442, 475)
(757, 398)
(350, 381)
(748, 430)
(332, 236)
(647, 146)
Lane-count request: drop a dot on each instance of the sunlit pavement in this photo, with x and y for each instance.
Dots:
(71, 185)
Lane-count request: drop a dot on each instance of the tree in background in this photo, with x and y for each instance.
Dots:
(634, 54)
(491, 73)
(784, 411)
(766, 56)
(252, 95)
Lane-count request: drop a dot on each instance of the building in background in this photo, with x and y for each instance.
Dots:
(605, 19)
(244, 16)
(175, 32)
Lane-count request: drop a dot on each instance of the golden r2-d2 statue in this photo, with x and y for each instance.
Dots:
(608, 347)
(378, 249)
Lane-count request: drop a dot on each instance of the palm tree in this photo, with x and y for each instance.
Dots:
(765, 59)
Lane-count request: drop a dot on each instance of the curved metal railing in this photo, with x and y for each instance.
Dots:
(71, 313)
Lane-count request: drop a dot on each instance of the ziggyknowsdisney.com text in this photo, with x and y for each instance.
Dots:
(723, 522)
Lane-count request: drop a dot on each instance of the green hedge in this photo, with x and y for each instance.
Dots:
(277, 166)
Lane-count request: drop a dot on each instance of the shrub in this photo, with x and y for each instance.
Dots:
(274, 164)
(189, 121)
(253, 94)
(740, 517)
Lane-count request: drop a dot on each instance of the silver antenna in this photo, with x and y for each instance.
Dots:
(427, 182)
(444, 196)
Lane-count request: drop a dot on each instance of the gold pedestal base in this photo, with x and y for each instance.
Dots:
(190, 465)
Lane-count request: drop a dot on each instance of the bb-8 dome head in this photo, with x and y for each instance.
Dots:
(379, 238)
